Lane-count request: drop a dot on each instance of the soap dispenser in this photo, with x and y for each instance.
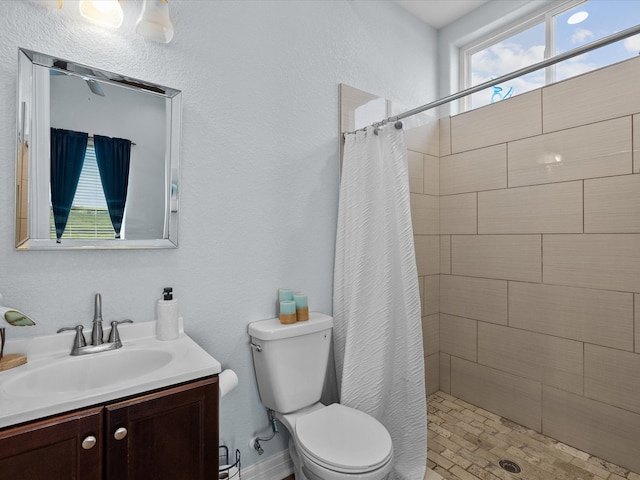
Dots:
(167, 311)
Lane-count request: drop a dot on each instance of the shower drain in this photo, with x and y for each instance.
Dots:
(509, 466)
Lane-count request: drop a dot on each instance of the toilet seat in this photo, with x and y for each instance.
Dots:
(343, 439)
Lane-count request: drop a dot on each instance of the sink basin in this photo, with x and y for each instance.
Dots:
(54, 382)
(81, 374)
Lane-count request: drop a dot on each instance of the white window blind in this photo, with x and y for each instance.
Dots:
(89, 217)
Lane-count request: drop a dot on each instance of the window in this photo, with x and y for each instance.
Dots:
(89, 216)
(571, 25)
(514, 52)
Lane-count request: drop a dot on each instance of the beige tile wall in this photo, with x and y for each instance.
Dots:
(431, 334)
(445, 253)
(527, 230)
(459, 336)
(444, 137)
(424, 185)
(547, 359)
(604, 94)
(611, 204)
(431, 303)
(539, 260)
(416, 171)
(424, 138)
(425, 214)
(507, 395)
(482, 169)
(427, 254)
(508, 257)
(432, 373)
(598, 428)
(445, 372)
(553, 208)
(477, 298)
(497, 123)
(637, 322)
(612, 377)
(607, 262)
(574, 313)
(590, 151)
(458, 213)
(636, 144)
(431, 183)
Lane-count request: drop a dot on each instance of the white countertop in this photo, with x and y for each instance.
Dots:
(53, 382)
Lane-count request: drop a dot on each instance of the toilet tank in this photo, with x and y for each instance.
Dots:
(291, 360)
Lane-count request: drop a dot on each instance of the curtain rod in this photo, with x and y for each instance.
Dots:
(91, 138)
(509, 76)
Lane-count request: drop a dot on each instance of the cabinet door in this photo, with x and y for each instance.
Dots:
(167, 435)
(61, 448)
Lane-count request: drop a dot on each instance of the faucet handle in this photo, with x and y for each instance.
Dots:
(114, 335)
(78, 341)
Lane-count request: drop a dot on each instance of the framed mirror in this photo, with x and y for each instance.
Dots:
(98, 158)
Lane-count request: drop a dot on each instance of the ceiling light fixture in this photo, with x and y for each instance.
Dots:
(154, 22)
(577, 17)
(103, 12)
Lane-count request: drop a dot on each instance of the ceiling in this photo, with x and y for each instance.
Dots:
(439, 13)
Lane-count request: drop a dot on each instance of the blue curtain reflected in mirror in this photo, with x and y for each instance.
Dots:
(113, 156)
(67, 156)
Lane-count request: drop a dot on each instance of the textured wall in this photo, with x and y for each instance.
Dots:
(259, 163)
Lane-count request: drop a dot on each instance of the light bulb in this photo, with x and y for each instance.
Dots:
(103, 12)
(154, 22)
(103, 6)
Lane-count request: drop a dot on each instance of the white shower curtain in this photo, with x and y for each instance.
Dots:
(377, 331)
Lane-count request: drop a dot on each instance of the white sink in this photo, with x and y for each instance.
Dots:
(81, 374)
(53, 382)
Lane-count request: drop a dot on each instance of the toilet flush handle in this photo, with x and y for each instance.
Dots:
(256, 346)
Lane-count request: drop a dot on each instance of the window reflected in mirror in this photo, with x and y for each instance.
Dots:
(118, 187)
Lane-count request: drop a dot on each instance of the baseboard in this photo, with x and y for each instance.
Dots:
(275, 467)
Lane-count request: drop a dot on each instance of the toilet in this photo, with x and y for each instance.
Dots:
(327, 442)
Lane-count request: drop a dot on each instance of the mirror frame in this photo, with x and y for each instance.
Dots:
(29, 107)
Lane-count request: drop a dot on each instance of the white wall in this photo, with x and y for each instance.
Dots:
(259, 185)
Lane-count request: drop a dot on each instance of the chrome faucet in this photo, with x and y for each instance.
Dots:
(97, 333)
(98, 345)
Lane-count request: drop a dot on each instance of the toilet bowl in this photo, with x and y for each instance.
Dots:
(333, 442)
(336, 442)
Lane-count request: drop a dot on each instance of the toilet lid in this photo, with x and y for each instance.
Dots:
(344, 439)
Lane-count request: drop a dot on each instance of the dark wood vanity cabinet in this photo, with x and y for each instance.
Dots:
(167, 434)
(61, 448)
(171, 434)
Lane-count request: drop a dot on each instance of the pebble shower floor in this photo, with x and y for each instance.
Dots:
(467, 443)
